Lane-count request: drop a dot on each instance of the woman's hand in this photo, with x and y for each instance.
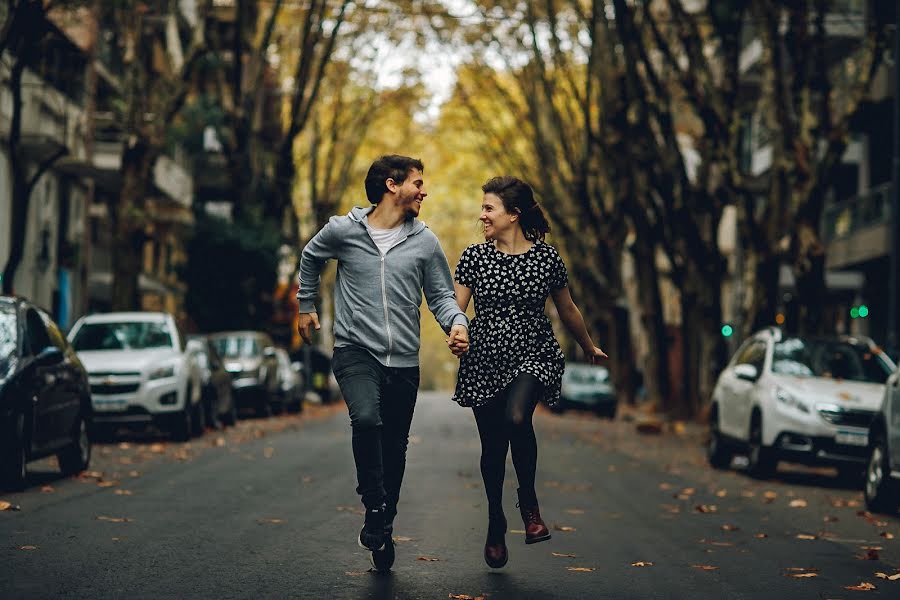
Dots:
(595, 355)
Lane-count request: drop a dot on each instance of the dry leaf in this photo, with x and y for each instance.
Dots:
(581, 569)
(805, 536)
(47, 489)
(220, 441)
(575, 511)
(123, 492)
(520, 531)
(887, 535)
(641, 563)
(270, 521)
(561, 555)
(107, 484)
(402, 538)
(157, 448)
(562, 528)
(28, 547)
(760, 536)
(665, 486)
(428, 558)
(802, 575)
(893, 577)
(4, 505)
(863, 586)
(830, 519)
(729, 527)
(91, 475)
(354, 573)
(705, 567)
(706, 508)
(307, 479)
(115, 519)
(798, 503)
(460, 597)
(721, 493)
(268, 452)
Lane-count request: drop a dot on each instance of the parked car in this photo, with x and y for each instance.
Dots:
(290, 382)
(140, 373)
(45, 398)
(801, 399)
(587, 387)
(250, 358)
(882, 483)
(217, 395)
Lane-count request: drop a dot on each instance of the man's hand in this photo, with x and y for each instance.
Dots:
(458, 342)
(307, 319)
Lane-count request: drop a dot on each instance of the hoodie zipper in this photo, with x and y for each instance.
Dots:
(387, 322)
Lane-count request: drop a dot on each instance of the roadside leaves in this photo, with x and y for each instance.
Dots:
(760, 536)
(863, 586)
(562, 555)
(28, 548)
(47, 489)
(519, 531)
(355, 573)
(123, 492)
(642, 563)
(581, 569)
(800, 572)
(730, 527)
(871, 554)
(565, 528)
(894, 577)
(806, 536)
(464, 597)
(798, 503)
(887, 535)
(270, 521)
(706, 508)
(402, 538)
(115, 519)
(4, 505)
(351, 509)
(704, 567)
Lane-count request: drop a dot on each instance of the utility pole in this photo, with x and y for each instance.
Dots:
(893, 337)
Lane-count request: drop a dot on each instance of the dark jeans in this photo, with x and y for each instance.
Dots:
(381, 401)
(504, 424)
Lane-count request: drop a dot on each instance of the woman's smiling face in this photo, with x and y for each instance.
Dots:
(494, 216)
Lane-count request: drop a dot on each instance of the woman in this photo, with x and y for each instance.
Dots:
(513, 360)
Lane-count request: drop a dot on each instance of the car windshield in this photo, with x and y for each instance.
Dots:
(7, 338)
(135, 335)
(829, 358)
(587, 375)
(236, 346)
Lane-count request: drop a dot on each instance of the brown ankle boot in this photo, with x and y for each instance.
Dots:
(495, 553)
(535, 529)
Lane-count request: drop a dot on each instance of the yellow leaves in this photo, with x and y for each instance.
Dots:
(801, 572)
(894, 577)
(769, 496)
(123, 492)
(581, 569)
(705, 567)
(115, 519)
(157, 448)
(642, 563)
(517, 531)
(564, 528)
(464, 597)
(706, 508)
(887, 535)
(354, 573)
(562, 555)
(4, 505)
(798, 503)
(806, 536)
(730, 527)
(760, 536)
(863, 586)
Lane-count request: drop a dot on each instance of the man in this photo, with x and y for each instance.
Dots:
(386, 258)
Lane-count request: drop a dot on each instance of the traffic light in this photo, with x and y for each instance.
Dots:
(859, 312)
(727, 330)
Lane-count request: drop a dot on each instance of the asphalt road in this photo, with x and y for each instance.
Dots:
(268, 509)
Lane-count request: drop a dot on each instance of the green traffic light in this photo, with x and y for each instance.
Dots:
(727, 330)
(863, 311)
(854, 312)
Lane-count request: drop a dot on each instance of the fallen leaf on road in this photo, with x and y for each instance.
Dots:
(704, 567)
(642, 563)
(706, 508)
(721, 493)
(4, 505)
(830, 519)
(863, 586)
(869, 555)
(115, 519)
(611, 469)
(109, 483)
(123, 493)
(402, 538)
(802, 575)
(561, 555)
(760, 536)
(268, 452)
(893, 577)
(729, 527)
(798, 503)
(747, 494)
(688, 491)
(801, 572)
(519, 531)
(460, 597)
(665, 486)
(220, 441)
(307, 479)
(805, 536)
(28, 547)
(562, 527)
(134, 473)
(428, 558)
(270, 521)
(769, 496)
(581, 569)
(351, 509)
(157, 448)
(47, 489)
(575, 511)
(887, 535)
(91, 475)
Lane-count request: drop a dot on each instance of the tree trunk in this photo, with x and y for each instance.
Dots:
(809, 275)
(21, 194)
(762, 285)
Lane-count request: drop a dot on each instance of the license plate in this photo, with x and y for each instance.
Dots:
(110, 404)
(852, 438)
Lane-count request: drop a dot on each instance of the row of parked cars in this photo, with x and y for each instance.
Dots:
(813, 400)
(135, 369)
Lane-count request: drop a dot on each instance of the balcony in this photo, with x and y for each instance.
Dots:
(858, 229)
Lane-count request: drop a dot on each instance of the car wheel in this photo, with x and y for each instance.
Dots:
(263, 407)
(230, 417)
(183, 425)
(76, 457)
(762, 461)
(13, 464)
(882, 494)
(718, 454)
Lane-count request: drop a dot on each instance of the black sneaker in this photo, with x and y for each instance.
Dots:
(371, 536)
(383, 560)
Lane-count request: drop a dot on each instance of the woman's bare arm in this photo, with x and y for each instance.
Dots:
(574, 322)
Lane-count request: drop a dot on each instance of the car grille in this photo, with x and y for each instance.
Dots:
(108, 389)
(849, 418)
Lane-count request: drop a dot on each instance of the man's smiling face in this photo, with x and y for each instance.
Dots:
(411, 193)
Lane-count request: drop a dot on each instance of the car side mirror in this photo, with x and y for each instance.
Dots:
(51, 355)
(746, 372)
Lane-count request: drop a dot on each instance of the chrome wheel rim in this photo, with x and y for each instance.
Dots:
(874, 472)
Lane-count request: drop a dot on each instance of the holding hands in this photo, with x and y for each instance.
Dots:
(458, 342)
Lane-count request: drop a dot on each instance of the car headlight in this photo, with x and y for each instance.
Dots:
(162, 372)
(787, 399)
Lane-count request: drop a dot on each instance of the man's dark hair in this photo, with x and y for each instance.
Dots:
(391, 166)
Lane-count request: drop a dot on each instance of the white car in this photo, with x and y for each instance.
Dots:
(801, 399)
(139, 372)
(882, 487)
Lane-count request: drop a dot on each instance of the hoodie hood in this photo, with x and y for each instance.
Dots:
(360, 215)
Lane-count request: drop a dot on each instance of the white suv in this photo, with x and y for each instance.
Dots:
(139, 372)
(800, 399)
(882, 488)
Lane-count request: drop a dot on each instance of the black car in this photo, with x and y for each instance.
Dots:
(45, 399)
(218, 398)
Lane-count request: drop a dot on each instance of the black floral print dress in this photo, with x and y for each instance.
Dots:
(510, 333)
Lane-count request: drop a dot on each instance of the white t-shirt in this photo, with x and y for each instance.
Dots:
(385, 238)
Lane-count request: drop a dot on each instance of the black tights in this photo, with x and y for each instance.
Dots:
(504, 424)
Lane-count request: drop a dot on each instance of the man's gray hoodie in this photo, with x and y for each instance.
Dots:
(376, 300)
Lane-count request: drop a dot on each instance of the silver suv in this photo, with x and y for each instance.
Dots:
(250, 358)
(882, 488)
